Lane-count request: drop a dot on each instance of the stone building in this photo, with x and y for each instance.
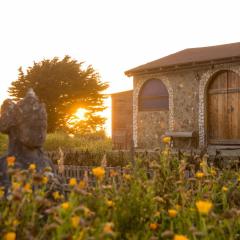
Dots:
(122, 116)
(196, 90)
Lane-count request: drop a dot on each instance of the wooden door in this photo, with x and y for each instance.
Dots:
(224, 109)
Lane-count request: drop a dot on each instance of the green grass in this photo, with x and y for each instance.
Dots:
(91, 143)
(78, 150)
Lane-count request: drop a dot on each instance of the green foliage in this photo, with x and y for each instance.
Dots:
(64, 86)
(134, 206)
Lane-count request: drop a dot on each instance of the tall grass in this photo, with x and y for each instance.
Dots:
(87, 150)
(92, 143)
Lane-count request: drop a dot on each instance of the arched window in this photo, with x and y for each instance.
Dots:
(153, 96)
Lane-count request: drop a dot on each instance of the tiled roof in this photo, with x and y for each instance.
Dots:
(191, 55)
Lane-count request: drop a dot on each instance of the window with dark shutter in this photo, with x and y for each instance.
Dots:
(153, 96)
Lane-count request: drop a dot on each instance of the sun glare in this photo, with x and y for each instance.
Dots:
(81, 114)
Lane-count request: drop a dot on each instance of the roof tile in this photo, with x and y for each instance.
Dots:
(191, 55)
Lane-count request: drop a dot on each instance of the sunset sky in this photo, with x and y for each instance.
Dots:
(111, 35)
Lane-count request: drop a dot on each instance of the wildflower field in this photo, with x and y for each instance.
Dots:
(176, 200)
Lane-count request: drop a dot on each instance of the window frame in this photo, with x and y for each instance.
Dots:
(160, 97)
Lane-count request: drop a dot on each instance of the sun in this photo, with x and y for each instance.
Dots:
(81, 114)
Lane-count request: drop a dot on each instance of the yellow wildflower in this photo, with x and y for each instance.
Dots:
(45, 180)
(213, 172)
(166, 140)
(98, 172)
(204, 207)
(10, 236)
(127, 176)
(86, 211)
(11, 161)
(153, 226)
(178, 207)
(165, 152)
(1, 192)
(56, 195)
(82, 184)
(110, 203)
(27, 188)
(224, 189)
(172, 213)
(72, 182)
(65, 205)
(32, 167)
(75, 220)
(199, 175)
(15, 222)
(16, 185)
(180, 237)
(113, 173)
(108, 228)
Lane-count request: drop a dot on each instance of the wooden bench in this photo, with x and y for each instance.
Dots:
(191, 136)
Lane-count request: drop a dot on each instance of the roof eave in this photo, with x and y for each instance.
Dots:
(132, 72)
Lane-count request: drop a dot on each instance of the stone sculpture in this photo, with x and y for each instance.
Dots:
(25, 122)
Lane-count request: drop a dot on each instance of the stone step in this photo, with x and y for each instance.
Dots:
(225, 151)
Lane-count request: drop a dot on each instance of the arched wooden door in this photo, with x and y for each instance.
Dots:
(224, 109)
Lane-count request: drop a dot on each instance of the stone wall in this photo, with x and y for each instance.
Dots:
(187, 105)
(149, 126)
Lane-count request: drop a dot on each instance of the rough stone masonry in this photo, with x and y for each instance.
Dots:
(25, 123)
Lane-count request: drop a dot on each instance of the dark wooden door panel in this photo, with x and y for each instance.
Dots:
(213, 114)
(224, 109)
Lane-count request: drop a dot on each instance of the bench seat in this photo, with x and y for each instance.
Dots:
(189, 135)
